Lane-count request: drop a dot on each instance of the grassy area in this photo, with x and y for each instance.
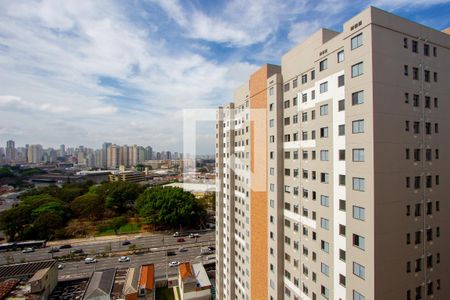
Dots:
(127, 228)
(164, 294)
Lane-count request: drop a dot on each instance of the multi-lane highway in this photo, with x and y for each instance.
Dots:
(158, 243)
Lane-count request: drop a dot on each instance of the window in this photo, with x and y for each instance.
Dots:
(342, 229)
(358, 296)
(323, 65)
(358, 184)
(272, 139)
(304, 78)
(358, 155)
(357, 41)
(271, 91)
(325, 246)
(416, 127)
(286, 104)
(324, 87)
(325, 223)
(341, 154)
(341, 81)
(325, 292)
(341, 129)
(341, 105)
(426, 49)
(287, 121)
(357, 70)
(341, 179)
(294, 101)
(295, 119)
(304, 98)
(406, 97)
(271, 123)
(342, 280)
(294, 83)
(358, 126)
(358, 98)
(405, 70)
(416, 100)
(426, 76)
(324, 132)
(286, 87)
(359, 213)
(324, 201)
(434, 51)
(341, 205)
(359, 270)
(342, 254)
(325, 269)
(340, 56)
(415, 73)
(324, 110)
(359, 241)
(405, 43)
(435, 77)
(414, 46)
(324, 155)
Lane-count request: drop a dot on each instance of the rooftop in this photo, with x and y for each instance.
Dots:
(100, 284)
(24, 269)
(147, 278)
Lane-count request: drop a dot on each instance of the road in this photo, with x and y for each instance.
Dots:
(158, 242)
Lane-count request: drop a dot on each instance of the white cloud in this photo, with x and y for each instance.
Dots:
(301, 30)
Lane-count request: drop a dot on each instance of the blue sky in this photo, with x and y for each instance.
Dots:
(85, 72)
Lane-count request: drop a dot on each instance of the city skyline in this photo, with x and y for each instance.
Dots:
(103, 70)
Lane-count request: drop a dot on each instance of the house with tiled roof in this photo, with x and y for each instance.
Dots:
(193, 282)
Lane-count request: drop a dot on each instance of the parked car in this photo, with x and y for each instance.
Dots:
(60, 266)
(90, 260)
(28, 250)
(180, 240)
(171, 253)
(176, 234)
(53, 250)
(76, 251)
(124, 243)
(206, 251)
(67, 246)
(183, 249)
(124, 258)
(174, 263)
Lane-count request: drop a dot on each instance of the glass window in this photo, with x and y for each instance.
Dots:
(357, 70)
(325, 223)
(323, 65)
(341, 105)
(358, 154)
(358, 126)
(324, 87)
(359, 270)
(324, 110)
(340, 56)
(358, 296)
(358, 184)
(358, 98)
(341, 80)
(325, 269)
(359, 213)
(341, 129)
(324, 201)
(324, 155)
(359, 241)
(357, 41)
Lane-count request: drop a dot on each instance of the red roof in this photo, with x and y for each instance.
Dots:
(147, 278)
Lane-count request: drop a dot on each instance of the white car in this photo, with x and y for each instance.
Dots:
(176, 234)
(124, 259)
(174, 263)
(90, 260)
(28, 250)
(60, 266)
(194, 235)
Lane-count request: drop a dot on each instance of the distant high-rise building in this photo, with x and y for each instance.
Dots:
(35, 153)
(149, 153)
(10, 151)
(104, 155)
(62, 150)
(331, 170)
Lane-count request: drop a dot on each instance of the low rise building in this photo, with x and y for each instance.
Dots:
(100, 285)
(193, 282)
(140, 283)
(128, 176)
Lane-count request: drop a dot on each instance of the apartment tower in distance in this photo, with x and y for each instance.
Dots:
(338, 189)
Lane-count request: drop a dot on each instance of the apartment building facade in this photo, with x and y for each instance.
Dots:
(356, 129)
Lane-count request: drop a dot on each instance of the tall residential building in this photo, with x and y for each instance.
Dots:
(10, 151)
(353, 163)
(105, 155)
(35, 153)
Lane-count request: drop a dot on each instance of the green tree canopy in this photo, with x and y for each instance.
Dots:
(119, 196)
(88, 206)
(169, 207)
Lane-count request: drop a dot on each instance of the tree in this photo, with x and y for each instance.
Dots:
(89, 206)
(169, 207)
(119, 196)
(117, 222)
